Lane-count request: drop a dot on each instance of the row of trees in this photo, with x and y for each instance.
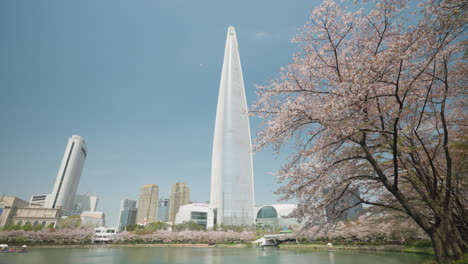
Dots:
(84, 236)
(376, 102)
(187, 236)
(47, 236)
(380, 228)
(27, 227)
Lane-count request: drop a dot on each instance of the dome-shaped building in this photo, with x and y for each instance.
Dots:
(275, 216)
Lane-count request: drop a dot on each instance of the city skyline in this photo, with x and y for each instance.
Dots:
(141, 96)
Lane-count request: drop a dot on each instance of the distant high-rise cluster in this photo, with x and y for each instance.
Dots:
(180, 195)
(147, 204)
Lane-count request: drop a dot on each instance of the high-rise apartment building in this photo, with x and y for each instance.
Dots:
(128, 213)
(180, 195)
(232, 191)
(68, 177)
(147, 204)
(163, 210)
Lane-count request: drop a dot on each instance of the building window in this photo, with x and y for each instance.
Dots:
(84, 151)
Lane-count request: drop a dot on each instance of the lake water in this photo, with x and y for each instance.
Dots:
(202, 255)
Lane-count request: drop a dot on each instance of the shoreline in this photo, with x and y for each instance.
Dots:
(181, 245)
(382, 248)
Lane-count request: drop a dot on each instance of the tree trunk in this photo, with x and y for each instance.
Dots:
(447, 242)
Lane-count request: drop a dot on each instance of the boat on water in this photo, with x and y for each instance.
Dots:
(4, 248)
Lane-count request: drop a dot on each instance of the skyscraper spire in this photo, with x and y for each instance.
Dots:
(232, 192)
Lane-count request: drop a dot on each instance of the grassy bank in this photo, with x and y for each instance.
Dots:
(393, 248)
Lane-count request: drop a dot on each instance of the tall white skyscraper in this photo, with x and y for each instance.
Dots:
(232, 191)
(68, 177)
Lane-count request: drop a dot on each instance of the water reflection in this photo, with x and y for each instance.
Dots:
(146, 255)
(331, 257)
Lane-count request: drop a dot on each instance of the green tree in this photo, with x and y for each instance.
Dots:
(71, 222)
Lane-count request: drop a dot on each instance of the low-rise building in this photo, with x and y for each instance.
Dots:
(276, 217)
(95, 219)
(45, 217)
(201, 214)
(104, 234)
(8, 207)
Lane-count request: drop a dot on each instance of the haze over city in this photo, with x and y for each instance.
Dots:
(142, 91)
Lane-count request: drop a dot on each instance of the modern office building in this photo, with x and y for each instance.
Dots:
(68, 177)
(201, 214)
(163, 210)
(232, 191)
(147, 204)
(180, 195)
(128, 213)
(84, 202)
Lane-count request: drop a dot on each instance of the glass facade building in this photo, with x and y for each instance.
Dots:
(128, 213)
(276, 216)
(232, 191)
(163, 210)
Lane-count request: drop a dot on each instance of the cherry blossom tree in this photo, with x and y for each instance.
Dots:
(48, 236)
(376, 102)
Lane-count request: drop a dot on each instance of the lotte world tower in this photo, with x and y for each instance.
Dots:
(232, 191)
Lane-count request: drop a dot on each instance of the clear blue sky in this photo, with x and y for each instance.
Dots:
(139, 81)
